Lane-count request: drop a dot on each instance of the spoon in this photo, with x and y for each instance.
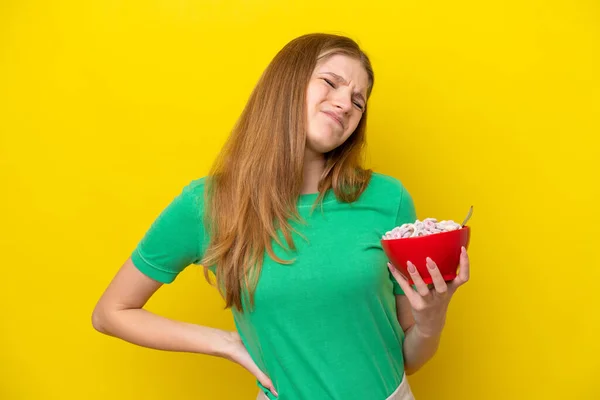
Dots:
(468, 216)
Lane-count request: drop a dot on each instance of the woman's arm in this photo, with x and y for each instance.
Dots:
(417, 348)
(120, 313)
(422, 311)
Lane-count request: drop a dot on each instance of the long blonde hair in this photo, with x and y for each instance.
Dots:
(254, 184)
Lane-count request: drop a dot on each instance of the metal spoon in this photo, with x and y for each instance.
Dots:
(468, 216)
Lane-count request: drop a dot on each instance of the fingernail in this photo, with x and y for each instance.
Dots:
(411, 267)
(390, 266)
(463, 249)
(430, 263)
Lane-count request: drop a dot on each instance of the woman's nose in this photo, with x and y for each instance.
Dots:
(342, 101)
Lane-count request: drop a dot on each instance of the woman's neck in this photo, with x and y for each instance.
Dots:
(314, 165)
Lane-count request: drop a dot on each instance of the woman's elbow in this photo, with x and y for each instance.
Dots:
(99, 320)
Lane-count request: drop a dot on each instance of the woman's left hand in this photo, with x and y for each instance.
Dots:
(429, 306)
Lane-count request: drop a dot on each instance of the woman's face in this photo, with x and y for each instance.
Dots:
(335, 101)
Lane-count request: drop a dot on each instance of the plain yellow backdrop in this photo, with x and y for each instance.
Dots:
(108, 108)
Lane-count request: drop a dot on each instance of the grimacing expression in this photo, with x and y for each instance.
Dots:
(335, 101)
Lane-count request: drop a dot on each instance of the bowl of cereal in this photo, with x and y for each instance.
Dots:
(441, 241)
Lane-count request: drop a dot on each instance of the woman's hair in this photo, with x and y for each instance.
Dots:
(254, 184)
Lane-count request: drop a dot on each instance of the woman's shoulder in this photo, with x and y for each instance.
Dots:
(193, 191)
(391, 192)
(386, 184)
(384, 191)
(196, 185)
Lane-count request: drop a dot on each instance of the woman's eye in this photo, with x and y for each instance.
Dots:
(359, 106)
(329, 82)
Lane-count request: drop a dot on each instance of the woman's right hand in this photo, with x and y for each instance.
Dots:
(236, 352)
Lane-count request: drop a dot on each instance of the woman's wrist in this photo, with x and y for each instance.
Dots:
(226, 344)
(427, 333)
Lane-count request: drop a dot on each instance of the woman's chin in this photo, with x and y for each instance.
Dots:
(324, 142)
(322, 147)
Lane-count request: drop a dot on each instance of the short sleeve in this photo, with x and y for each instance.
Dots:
(174, 239)
(406, 214)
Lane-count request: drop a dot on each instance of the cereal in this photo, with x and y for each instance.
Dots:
(426, 227)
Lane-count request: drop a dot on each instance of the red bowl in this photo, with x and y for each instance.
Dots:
(443, 248)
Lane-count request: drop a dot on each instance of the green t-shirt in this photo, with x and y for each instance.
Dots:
(325, 326)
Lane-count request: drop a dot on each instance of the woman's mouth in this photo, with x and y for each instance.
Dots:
(335, 118)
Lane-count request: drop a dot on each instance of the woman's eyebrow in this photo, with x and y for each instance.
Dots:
(336, 76)
(342, 80)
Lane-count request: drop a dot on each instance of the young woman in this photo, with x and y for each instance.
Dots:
(290, 224)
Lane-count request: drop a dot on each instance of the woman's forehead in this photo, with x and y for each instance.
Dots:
(345, 69)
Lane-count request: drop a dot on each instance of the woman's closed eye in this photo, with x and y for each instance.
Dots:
(330, 83)
(356, 104)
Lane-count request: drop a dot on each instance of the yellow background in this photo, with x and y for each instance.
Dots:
(108, 108)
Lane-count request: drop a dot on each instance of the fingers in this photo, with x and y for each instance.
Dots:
(247, 362)
(266, 382)
(422, 288)
(464, 271)
(406, 288)
(438, 280)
